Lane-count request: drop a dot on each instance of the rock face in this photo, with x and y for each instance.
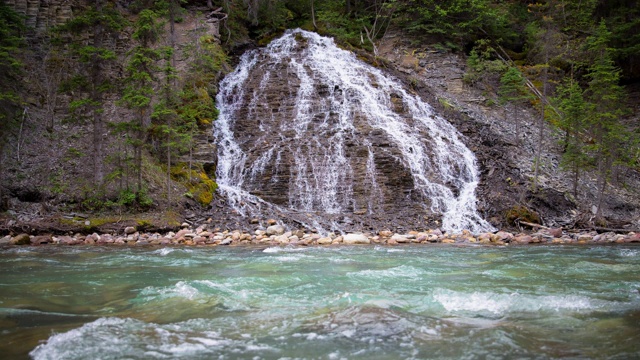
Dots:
(307, 130)
(43, 14)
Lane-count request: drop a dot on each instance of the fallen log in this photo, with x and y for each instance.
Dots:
(533, 225)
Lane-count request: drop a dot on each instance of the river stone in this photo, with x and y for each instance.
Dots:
(355, 239)
(385, 233)
(324, 241)
(129, 230)
(42, 239)
(5, 240)
(555, 232)
(22, 239)
(226, 241)
(400, 239)
(275, 230)
(282, 239)
(523, 239)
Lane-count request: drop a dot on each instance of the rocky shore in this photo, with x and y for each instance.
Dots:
(277, 235)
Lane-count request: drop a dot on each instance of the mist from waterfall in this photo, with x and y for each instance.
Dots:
(322, 136)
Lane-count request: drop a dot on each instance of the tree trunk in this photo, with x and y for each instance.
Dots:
(172, 84)
(516, 118)
(313, 16)
(3, 201)
(96, 97)
(541, 124)
(576, 177)
(603, 167)
(209, 4)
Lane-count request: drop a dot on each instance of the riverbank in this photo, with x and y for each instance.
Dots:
(274, 234)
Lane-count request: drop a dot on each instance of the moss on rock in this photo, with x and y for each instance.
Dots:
(200, 186)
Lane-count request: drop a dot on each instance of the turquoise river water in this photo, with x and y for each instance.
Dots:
(405, 302)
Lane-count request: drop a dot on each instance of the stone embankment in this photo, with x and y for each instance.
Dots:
(206, 235)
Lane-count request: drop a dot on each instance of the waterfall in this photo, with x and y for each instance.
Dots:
(307, 128)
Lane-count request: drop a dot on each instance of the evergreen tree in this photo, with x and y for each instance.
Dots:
(608, 98)
(10, 67)
(93, 78)
(513, 91)
(138, 92)
(574, 113)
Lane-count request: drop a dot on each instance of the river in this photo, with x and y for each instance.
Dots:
(368, 302)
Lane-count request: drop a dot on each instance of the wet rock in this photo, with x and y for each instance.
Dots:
(282, 239)
(324, 241)
(584, 238)
(485, 238)
(5, 240)
(226, 242)
(555, 232)
(41, 240)
(355, 239)
(400, 239)
(523, 239)
(275, 230)
(22, 239)
(502, 236)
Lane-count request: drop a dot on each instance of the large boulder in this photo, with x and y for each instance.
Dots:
(355, 239)
(22, 239)
(275, 230)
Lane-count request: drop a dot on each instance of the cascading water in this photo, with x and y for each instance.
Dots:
(307, 128)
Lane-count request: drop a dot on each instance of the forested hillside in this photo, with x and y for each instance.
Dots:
(107, 106)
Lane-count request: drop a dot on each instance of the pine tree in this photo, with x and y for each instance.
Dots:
(513, 92)
(10, 67)
(90, 83)
(574, 112)
(138, 93)
(608, 98)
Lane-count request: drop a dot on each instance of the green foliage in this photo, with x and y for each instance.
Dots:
(512, 87)
(574, 110)
(520, 213)
(10, 66)
(200, 186)
(462, 21)
(197, 108)
(482, 63)
(208, 61)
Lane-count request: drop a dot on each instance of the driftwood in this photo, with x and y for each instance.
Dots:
(604, 229)
(533, 225)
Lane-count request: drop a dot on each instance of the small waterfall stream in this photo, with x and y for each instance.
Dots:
(307, 128)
